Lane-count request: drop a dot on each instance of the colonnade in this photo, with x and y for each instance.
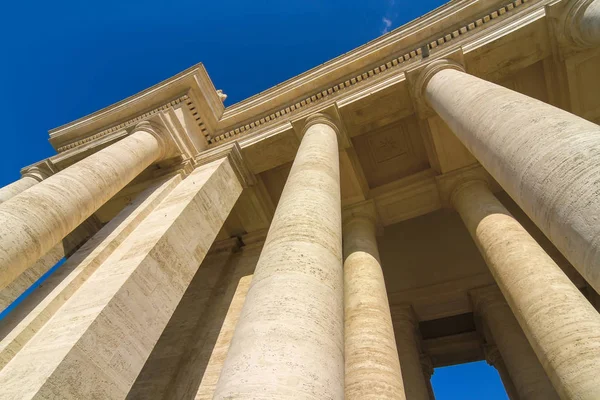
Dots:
(316, 322)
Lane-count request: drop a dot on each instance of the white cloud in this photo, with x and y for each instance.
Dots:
(387, 23)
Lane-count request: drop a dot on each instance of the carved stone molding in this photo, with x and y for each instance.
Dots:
(365, 209)
(449, 183)
(127, 124)
(427, 365)
(492, 354)
(399, 61)
(160, 133)
(233, 152)
(329, 116)
(418, 79)
(571, 22)
(40, 171)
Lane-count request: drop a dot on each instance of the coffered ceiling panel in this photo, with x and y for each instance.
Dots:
(391, 152)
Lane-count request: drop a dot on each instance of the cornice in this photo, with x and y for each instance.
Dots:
(191, 89)
(397, 62)
(124, 125)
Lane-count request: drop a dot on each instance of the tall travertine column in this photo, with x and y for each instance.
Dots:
(371, 357)
(493, 358)
(582, 22)
(560, 324)
(27, 319)
(545, 158)
(289, 341)
(173, 346)
(34, 221)
(31, 176)
(526, 372)
(427, 366)
(18, 186)
(407, 342)
(64, 249)
(97, 343)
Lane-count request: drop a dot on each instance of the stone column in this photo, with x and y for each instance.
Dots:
(34, 221)
(582, 22)
(289, 341)
(31, 315)
(30, 176)
(407, 342)
(493, 358)
(427, 366)
(526, 372)
(97, 343)
(545, 158)
(17, 187)
(560, 324)
(371, 357)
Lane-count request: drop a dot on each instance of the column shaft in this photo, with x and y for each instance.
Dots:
(407, 342)
(289, 343)
(97, 343)
(526, 372)
(34, 221)
(560, 324)
(63, 249)
(545, 158)
(371, 357)
(493, 358)
(199, 373)
(27, 319)
(13, 189)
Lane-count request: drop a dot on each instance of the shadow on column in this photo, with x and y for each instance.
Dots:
(179, 363)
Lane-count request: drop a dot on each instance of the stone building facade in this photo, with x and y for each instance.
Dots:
(427, 199)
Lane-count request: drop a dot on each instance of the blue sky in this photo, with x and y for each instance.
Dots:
(64, 59)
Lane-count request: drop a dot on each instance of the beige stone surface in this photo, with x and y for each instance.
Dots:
(372, 369)
(17, 187)
(63, 249)
(560, 324)
(155, 379)
(199, 370)
(288, 343)
(34, 221)
(407, 341)
(393, 150)
(542, 156)
(27, 319)
(526, 372)
(97, 343)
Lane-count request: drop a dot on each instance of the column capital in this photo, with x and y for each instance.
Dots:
(39, 171)
(485, 298)
(571, 23)
(419, 77)
(329, 116)
(159, 131)
(491, 354)
(404, 312)
(233, 153)
(450, 183)
(427, 365)
(363, 210)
